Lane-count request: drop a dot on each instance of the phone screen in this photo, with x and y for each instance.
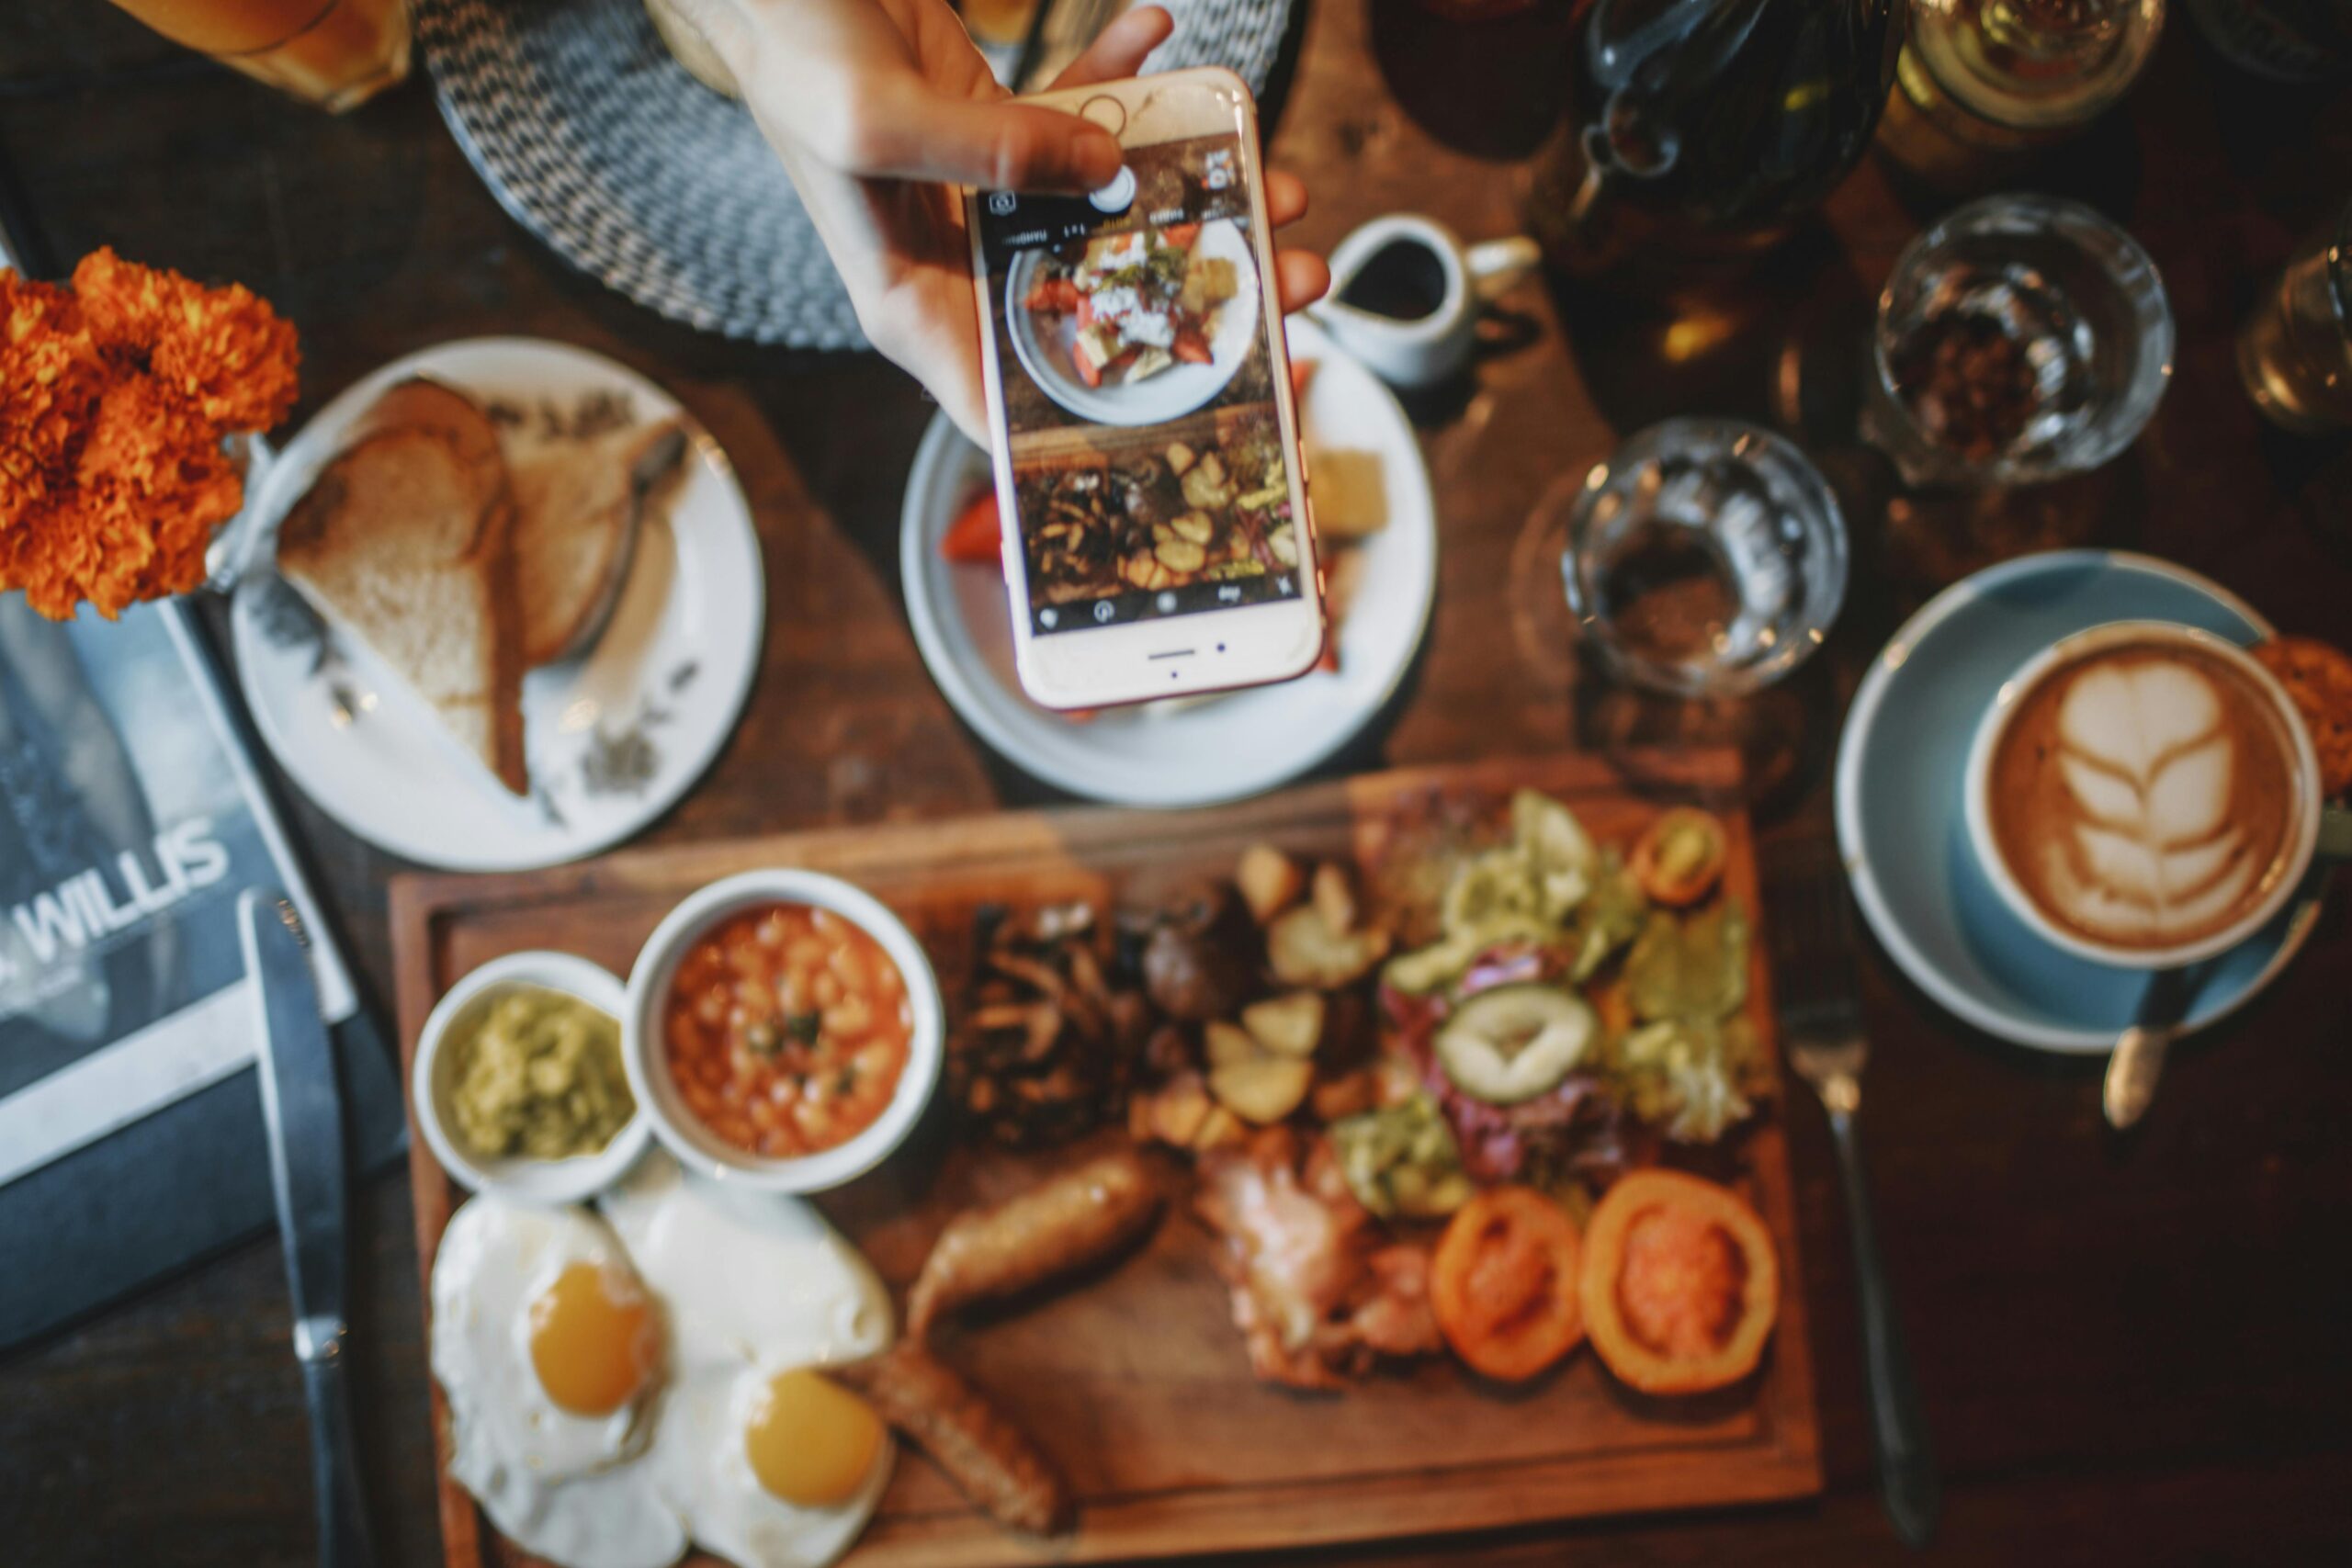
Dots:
(1149, 473)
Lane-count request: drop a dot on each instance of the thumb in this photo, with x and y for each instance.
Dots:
(999, 145)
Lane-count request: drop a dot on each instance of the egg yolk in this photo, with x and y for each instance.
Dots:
(811, 1441)
(594, 1341)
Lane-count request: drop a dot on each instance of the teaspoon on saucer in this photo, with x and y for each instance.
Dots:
(2139, 1058)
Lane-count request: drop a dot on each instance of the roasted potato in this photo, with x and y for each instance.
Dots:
(1335, 898)
(1289, 1025)
(1270, 881)
(1262, 1090)
(1303, 950)
(1226, 1043)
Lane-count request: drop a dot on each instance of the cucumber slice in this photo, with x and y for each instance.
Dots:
(1425, 969)
(1497, 888)
(1515, 1041)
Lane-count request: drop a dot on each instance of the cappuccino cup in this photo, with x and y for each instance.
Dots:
(2145, 795)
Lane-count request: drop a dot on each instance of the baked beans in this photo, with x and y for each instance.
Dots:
(787, 1029)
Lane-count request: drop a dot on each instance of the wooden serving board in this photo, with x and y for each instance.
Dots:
(1136, 1381)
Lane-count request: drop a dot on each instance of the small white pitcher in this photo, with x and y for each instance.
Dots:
(1423, 349)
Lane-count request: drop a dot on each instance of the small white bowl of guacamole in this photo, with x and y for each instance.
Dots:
(518, 1086)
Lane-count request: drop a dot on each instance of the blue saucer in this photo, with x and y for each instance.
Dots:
(1900, 765)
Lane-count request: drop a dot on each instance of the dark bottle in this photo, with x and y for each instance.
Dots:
(1702, 128)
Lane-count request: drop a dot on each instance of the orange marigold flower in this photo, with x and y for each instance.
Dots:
(115, 398)
(223, 350)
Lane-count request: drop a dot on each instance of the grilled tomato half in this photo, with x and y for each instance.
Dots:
(1504, 1283)
(1680, 1285)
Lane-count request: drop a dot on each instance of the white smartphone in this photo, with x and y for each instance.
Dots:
(1153, 503)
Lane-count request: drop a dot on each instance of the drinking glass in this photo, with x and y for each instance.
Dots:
(1706, 558)
(1981, 82)
(2022, 339)
(334, 53)
(2295, 351)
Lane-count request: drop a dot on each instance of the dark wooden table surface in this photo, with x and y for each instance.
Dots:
(2132, 1352)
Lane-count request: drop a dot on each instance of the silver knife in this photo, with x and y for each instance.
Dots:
(302, 1110)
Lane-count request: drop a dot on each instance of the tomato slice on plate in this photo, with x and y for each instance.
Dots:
(1680, 1285)
(1054, 297)
(1504, 1283)
(975, 538)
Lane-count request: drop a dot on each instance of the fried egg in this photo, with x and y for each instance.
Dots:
(771, 1464)
(548, 1348)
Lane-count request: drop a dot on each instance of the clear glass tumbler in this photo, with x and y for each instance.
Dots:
(1706, 558)
(1983, 82)
(334, 53)
(2295, 350)
(2022, 339)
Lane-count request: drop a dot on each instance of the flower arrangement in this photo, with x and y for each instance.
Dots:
(116, 392)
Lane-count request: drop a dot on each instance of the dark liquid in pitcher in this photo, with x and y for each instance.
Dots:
(1403, 281)
(1702, 126)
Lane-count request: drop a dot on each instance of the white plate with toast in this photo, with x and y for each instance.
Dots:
(1378, 522)
(519, 605)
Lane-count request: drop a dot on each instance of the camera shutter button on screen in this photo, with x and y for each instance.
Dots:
(1118, 196)
(1112, 115)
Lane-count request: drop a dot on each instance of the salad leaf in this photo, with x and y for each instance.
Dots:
(1688, 1076)
(1524, 891)
(1694, 969)
(1556, 849)
(1611, 916)
(1401, 1159)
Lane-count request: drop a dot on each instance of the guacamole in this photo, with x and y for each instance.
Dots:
(539, 1075)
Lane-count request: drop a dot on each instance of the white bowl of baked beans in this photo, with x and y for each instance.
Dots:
(783, 1030)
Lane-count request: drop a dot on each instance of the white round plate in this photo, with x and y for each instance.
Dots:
(1044, 349)
(1186, 752)
(614, 736)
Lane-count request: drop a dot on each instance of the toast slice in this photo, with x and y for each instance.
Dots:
(406, 540)
(578, 508)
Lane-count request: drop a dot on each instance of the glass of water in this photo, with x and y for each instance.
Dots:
(2022, 339)
(2295, 350)
(1706, 558)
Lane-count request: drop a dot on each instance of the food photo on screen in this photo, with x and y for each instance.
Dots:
(1135, 306)
(1192, 516)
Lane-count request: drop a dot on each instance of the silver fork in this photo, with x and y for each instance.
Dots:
(1821, 1025)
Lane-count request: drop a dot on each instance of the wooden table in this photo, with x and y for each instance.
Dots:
(2128, 1353)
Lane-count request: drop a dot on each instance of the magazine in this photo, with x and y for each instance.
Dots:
(130, 819)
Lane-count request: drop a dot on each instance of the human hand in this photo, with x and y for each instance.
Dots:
(879, 108)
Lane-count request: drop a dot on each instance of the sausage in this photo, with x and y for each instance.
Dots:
(990, 1460)
(1063, 1223)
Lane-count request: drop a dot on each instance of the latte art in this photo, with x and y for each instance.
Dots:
(2142, 795)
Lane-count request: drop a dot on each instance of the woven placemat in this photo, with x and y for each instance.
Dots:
(597, 141)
